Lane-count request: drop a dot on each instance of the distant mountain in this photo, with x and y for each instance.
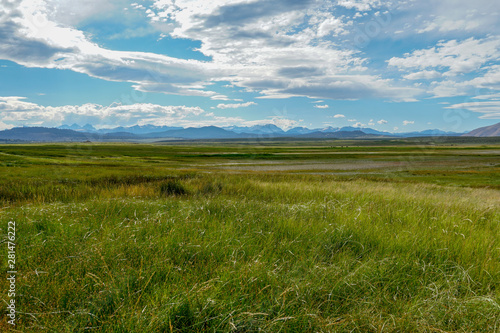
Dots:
(493, 130)
(78, 128)
(430, 132)
(145, 129)
(75, 133)
(257, 129)
(207, 132)
(42, 134)
(327, 129)
(299, 130)
(362, 129)
(339, 135)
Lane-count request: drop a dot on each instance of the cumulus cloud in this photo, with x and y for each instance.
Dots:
(488, 109)
(423, 75)
(454, 68)
(451, 16)
(382, 122)
(339, 116)
(279, 49)
(236, 106)
(325, 106)
(282, 122)
(31, 39)
(16, 111)
(458, 56)
(408, 122)
(360, 5)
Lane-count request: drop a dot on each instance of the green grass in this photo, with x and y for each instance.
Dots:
(110, 240)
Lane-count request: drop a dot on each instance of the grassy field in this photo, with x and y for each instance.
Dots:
(274, 236)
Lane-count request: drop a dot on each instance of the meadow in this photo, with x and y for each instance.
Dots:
(241, 236)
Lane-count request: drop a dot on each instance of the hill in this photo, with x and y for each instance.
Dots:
(493, 130)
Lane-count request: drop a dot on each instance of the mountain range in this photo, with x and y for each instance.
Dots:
(87, 132)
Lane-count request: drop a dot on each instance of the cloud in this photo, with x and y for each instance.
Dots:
(382, 122)
(282, 122)
(451, 16)
(220, 98)
(408, 122)
(16, 111)
(495, 97)
(31, 39)
(278, 49)
(435, 20)
(235, 106)
(321, 106)
(423, 75)
(488, 109)
(339, 116)
(360, 5)
(455, 68)
(458, 56)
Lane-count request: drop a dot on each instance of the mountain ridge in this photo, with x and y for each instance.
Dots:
(486, 131)
(75, 132)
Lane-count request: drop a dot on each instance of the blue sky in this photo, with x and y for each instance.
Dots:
(396, 66)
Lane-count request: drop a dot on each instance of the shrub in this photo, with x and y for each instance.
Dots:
(172, 187)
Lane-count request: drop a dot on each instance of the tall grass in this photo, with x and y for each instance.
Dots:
(244, 254)
(123, 239)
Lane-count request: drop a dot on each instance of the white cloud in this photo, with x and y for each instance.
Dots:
(339, 116)
(321, 106)
(330, 25)
(279, 49)
(282, 122)
(220, 98)
(16, 111)
(408, 122)
(423, 75)
(495, 97)
(235, 106)
(351, 120)
(488, 109)
(360, 5)
(447, 16)
(459, 57)
(435, 20)
(382, 122)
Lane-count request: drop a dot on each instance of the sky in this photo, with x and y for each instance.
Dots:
(396, 66)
